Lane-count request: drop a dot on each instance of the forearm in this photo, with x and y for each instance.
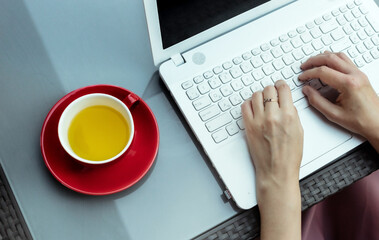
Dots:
(280, 210)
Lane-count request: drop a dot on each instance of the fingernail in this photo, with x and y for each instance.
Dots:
(279, 82)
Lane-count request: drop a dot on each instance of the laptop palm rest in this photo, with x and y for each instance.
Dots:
(320, 135)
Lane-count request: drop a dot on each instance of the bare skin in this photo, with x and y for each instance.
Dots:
(275, 135)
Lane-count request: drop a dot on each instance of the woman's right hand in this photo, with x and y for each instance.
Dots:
(357, 106)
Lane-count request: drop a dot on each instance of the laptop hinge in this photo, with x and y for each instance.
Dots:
(178, 59)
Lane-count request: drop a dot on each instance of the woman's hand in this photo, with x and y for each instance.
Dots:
(357, 106)
(275, 138)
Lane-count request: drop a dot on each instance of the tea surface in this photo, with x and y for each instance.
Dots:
(98, 133)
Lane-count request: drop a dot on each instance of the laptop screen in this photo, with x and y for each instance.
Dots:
(182, 19)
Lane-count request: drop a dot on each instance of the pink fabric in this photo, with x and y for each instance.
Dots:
(352, 213)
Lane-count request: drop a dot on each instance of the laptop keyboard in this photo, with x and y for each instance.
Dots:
(218, 93)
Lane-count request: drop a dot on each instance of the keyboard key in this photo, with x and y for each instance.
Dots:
(354, 25)
(368, 44)
(256, 61)
(276, 76)
(235, 99)
(236, 112)
(226, 90)
(358, 2)
(363, 10)
(319, 20)
(296, 68)
(343, 9)
(287, 72)
(208, 74)
(327, 16)
(218, 122)
(317, 44)
(236, 72)
(310, 25)
(278, 64)
(359, 62)
(307, 50)
(225, 77)
(217, 70)
(292, 34)
(296, 42)
(283, 38)
(237, 60)
(268, 69)
(227, 65)
(288, 59)
(276, 52)
(275, 42)
(367, 57)
(256, 51)
(286, 47)
(246, 67)
(297, 95)
(354, 39)
(241, 124)
(192, 93)
(306, 37)
(362, 34)
(341, 45)
(337, 34)
(215, 96)
(353, 52)
(266, 57)
(203, 88)
(219, 136)
(245, 93)
(265, 47)
(247, 80)
(361, 48)
(369, 31)
(336, 13)
(348, 30)
(232, 129)
(297, 54)
(237, 85)
(187, 85)
(198, 79)
(256, 87)
(356, 13)
(375, 40)
(246, 55)
(201, 103)
(327, 40)
(267, 82)
(209, 113)
(350, 5)
(349, 17)
(341, 20)
(316, 33)
(224, 105)
(258, 74)
(375, 53)
(328, 26)
(363, 22)
(214, 83)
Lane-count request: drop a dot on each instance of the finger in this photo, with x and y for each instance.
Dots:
(257, 104)
(247, 112)
(329, 110)
(327, 75)
(270, 93)
(331, 60)
(344, 57)
(284, 94)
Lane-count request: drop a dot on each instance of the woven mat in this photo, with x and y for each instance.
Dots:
(12, 223)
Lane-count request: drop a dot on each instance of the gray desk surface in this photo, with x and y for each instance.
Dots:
(49, 48)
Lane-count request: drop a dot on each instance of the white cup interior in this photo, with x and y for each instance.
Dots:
(86, 101)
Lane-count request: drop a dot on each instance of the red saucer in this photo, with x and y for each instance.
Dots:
(108, 178)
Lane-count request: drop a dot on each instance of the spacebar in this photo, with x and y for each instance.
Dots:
(218, 122)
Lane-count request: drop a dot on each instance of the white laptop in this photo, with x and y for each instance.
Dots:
(213, 54)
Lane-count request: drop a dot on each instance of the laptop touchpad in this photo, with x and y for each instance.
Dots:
(320, 135)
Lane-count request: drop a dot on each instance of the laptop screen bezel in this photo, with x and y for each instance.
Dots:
(160, 54)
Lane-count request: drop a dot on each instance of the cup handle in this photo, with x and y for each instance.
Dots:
(131, 100)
